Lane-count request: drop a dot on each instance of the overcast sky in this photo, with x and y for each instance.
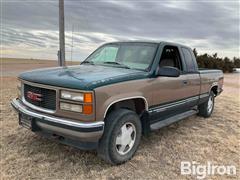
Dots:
(29, 29)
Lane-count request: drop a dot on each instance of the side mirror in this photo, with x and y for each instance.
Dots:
(168, 71)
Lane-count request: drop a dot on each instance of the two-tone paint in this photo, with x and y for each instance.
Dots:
(159, 97)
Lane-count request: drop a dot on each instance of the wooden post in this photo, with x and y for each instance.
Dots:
(61, 54)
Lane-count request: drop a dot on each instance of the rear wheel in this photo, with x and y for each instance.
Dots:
(121, 136)
(206, 109)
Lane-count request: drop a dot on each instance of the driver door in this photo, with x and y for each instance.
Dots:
(169, 93)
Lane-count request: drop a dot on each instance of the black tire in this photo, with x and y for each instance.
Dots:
(203, 108)
(107, 148)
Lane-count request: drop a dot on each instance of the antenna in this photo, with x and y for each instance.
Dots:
(72, 43)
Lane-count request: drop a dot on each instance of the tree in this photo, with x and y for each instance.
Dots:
(214, 62)
(236, 62)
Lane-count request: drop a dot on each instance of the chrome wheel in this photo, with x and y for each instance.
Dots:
(126, 138)
(210, 104)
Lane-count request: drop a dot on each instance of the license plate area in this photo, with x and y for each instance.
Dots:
(25, 121)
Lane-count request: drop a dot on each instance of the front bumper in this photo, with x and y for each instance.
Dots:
(68, 131)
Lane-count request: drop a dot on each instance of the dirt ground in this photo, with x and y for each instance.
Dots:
(25, 155)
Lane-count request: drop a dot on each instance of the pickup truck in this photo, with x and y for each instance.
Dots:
(121, 91)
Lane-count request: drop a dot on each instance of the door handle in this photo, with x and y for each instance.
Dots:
(185, 82)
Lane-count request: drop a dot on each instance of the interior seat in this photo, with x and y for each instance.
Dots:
(167, 62)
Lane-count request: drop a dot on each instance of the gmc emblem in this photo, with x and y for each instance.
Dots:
(34, 96)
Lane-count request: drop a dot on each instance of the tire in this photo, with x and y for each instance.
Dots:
(206, 109)
(118, 127)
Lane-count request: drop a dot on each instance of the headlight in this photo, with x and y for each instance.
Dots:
(75, 96)
(71, 107)
(72, 96)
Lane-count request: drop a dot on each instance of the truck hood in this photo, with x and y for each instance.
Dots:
(84, 77)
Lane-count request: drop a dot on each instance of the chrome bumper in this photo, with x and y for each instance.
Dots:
(86, 132)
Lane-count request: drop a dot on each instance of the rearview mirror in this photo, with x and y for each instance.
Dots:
(168, 71)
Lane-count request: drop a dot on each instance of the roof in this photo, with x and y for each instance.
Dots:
(149, 41)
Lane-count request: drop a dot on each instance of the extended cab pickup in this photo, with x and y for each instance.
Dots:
(121, 91)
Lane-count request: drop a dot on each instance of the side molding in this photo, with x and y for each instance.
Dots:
(128, 98)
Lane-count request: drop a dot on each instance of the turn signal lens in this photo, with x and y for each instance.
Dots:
(87, 109)
(88, 97)
(71, 107)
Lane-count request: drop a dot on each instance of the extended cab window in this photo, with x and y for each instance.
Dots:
(170, 57)
(188, 60)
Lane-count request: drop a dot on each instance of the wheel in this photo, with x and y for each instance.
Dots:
(206, 109)
(121, 137)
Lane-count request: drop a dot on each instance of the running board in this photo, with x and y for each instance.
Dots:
(172, 119)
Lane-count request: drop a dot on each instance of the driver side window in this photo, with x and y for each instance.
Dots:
(170, 57)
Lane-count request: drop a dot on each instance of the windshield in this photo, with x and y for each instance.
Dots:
(126, 55)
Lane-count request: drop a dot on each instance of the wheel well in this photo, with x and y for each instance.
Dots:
(214, 89)
(137, 105)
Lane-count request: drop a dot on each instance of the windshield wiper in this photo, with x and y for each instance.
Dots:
(117, 63)
(88, 62)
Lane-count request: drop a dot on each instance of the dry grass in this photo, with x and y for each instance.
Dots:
(25, 155)
(12, 67)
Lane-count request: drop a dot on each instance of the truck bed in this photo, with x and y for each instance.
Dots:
(210, 78)
(205, 70)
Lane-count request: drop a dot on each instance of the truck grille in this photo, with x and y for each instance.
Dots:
(48, 97)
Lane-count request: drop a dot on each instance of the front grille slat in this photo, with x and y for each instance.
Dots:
(48, 97)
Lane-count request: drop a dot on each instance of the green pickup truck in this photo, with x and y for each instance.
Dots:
(122, 91)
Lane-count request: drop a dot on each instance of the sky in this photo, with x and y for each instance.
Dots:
(29, 29)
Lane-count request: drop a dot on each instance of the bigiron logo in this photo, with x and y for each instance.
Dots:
(202, 171)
